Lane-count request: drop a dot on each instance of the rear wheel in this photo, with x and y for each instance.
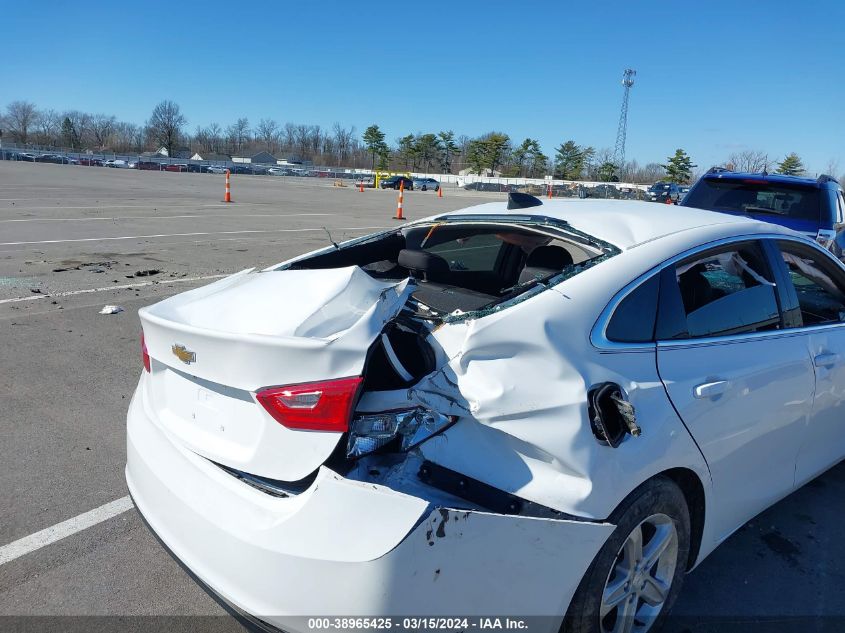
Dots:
(636, 576)
(424, 188)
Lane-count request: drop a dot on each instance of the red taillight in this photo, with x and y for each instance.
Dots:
(145, 355)
(312, 406)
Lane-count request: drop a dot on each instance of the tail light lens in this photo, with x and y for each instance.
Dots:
(313, 406)
(145, 355)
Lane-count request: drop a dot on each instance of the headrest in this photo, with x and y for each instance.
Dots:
(552, 257)
(429, 264)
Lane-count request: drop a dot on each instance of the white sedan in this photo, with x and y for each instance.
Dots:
(546, 408)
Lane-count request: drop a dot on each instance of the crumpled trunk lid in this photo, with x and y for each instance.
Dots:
(212, 348)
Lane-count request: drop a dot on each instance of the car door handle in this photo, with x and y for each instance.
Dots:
(826, 360)
(711, 389)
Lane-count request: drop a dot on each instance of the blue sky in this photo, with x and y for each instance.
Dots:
(712, 77)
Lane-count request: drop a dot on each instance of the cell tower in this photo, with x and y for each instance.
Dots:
(622, 130)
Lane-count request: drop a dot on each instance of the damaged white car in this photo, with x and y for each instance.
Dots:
(533, 409)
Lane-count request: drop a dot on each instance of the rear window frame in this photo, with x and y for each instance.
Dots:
(763, 185)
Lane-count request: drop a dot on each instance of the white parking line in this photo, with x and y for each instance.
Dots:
(140, 284)
(143, 237)
(171, 217)
(45, 537)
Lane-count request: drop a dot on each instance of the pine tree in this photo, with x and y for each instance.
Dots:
(374, 142)
(446, 149)
(569, 160)
(607, 172)
(679, 167)
(791, 165)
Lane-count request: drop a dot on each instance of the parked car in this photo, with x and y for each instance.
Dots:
(683, 190)
(464, 441)
(178, 167)
(277, 171)
(216, 169)
(90, 162)
(368, 182)
(424, 184)
(49, 158)
(665, 192)
(394, 182)
(116, 163)
(812, 206)
(149, 165)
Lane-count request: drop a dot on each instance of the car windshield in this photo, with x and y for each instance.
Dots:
(755, 196)
(659, 187)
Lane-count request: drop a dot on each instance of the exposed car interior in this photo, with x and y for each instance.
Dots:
(462, 266)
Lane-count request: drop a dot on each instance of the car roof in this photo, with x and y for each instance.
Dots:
(628, 223)
(775, 178)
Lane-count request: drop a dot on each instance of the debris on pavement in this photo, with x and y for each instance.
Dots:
(109, 309)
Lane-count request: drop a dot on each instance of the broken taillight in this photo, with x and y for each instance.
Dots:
(145, 355)
(374, 431)
(313, 406)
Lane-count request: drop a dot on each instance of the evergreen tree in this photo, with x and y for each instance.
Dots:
(70, 137)
(679, 167)
(569, 160)
(476, 156)
(496, 148)
(791, 165)
(607, 172)
(425, 150)
(446, 148)
(405, 151)
(374, 142)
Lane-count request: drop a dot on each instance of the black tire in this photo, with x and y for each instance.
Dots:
(656, 496)
(424, 188)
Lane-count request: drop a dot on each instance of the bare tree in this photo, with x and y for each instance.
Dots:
(267, 131)
(126, 137)
(48, 125)
(342, 141)
(20, 117)
(102, 127)
(302, 140)
(289, 135)
(238, 134)
(165, 125)
(215, 135)
(751, 161)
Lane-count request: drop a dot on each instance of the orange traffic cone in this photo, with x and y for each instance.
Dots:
(440, 191)
(228, 196)
(549, 192)
(668, 200)
(399, 215)
(361, 186)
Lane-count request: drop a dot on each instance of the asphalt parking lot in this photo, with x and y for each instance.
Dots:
(73, 239)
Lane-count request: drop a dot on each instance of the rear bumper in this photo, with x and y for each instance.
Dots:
(344, 547)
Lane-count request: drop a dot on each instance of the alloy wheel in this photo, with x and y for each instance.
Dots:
(640, 579)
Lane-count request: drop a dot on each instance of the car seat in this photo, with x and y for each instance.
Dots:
(544, 261)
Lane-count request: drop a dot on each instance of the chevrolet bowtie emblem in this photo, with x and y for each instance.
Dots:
(184, 354)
